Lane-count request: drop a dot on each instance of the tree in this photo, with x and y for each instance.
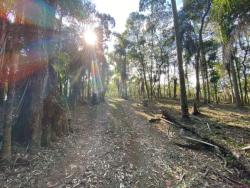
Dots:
(121, 51)
(232, 17)
(137, 47)
(183, 96)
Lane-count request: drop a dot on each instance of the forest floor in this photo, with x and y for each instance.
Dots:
(114, 145)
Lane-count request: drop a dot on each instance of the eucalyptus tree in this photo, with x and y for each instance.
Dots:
(35, 26)
(79, 13)
(137, 47)
(196, 21)
(211, 48)
(156, 13)
(121, 52)
(244, 44)
(232, 18)
(183, 95)
(105, 23)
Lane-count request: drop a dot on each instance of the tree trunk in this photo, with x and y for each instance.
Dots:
(12, 60)
(175, 87)
(208, 86)
(246, 99)
(124, 79)
(183, 95)
(186, 77)
(169, 82)
(39, 80)
(235, 83)
(216, 93)
(88, 89)
(8, 122)
(159, 83)
(199, 59)
(2, 93)
(231, 83)
(245, 77)
(144, 76)
(204, 85)
(197, 76)
(238, 76)
(3, 41)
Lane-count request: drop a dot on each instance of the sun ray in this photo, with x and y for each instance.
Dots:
(90, 37)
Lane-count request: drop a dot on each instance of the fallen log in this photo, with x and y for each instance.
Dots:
(239, 161)
(168, 117)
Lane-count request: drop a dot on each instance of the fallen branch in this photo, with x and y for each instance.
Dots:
(228, 178)
(201, 141)
(166, 121)
(245, 148)
(240, 161)
(154, 120)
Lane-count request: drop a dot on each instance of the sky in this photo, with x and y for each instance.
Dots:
(120, 10)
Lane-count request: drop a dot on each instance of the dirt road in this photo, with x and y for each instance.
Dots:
(114, 145)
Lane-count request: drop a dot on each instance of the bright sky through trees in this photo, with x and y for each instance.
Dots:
(90, 37)
(120, 10)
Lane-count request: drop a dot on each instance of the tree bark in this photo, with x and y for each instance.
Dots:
(246, 99)
(239, 80)
(183, 95)
(228, 58)
(3, 40)
(12, 60)
(175, 87)
(39, 80)
(199, 61)
(235, 82)
(197, 76)
(124, 79)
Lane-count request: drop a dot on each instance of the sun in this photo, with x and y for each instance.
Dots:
(90, 37)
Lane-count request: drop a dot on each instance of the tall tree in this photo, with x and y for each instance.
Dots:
(232, 17)
(183, 95)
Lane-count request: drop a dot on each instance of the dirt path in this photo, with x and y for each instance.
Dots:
(113, 145)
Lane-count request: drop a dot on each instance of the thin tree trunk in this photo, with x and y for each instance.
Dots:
(183, 95)
(3, 41)
(88, 90)
(197, 91)
(238, 76)
(169, 82)
(199, 60)
(186, 77)
(208, 86)
(175, 87)
(216, 93)
(245, 77)
(145, 80)
(235, 83)
(124, 79)
(197, 76)
(246, 99)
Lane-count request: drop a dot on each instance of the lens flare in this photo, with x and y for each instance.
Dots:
(90, 37)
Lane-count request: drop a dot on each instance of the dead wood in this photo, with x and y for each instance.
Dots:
(239, 161)
(245, 148)
(201, 142)
(154, 120)
(229, 179)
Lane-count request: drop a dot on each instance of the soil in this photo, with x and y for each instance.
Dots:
(114, 145)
